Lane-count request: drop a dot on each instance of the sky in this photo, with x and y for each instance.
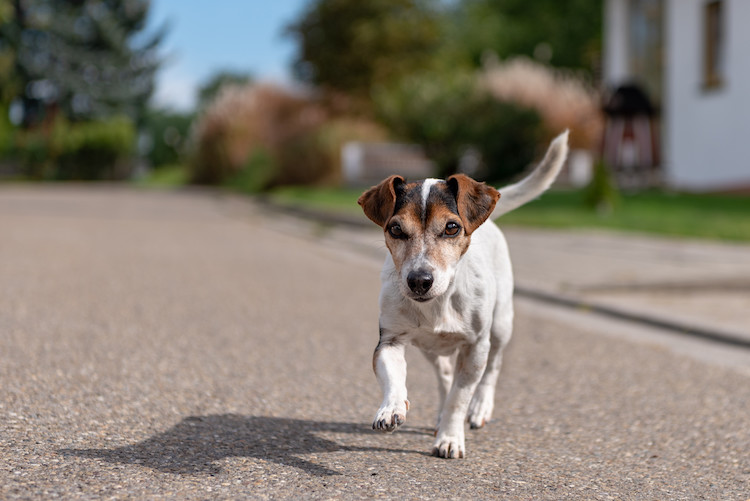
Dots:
(207, 36)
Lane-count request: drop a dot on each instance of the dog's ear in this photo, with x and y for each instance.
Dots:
(379, 201)
(475, 200)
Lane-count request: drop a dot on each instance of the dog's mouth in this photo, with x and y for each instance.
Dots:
(421, 299)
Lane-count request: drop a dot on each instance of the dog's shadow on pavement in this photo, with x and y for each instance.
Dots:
(197, 443)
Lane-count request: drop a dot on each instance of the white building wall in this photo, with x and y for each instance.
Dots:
(708, 130)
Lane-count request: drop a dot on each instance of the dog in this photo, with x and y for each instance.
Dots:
(447, 288)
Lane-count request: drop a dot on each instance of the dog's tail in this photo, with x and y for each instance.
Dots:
(536, 183)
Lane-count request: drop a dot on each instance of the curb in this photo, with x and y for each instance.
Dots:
(316, 215)
(572, 302)
(723, 337)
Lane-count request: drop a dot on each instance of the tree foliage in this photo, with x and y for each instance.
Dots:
(561, 33)
(88, 58)
(350, 45)
(353, 46)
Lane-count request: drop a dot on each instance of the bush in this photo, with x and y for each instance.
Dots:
(314, 157)
(95, 150)
(562, 100)
(448, 115)
(168, 133)
(601, 193)
(241, 120)
(257, 136)
(76, 151)
(258, 173)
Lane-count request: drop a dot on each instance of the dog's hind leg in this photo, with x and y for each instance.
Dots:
(483, 401)
(444, 371)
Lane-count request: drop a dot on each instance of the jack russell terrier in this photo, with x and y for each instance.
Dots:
(447, 287)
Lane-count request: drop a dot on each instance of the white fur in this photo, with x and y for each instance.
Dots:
(537, 182)
(463, 330)
(427, 185)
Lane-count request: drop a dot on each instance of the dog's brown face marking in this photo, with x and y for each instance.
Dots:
(425, 229)
(428, 225)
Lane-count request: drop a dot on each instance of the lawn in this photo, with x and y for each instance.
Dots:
(721, 217)
(170, 176)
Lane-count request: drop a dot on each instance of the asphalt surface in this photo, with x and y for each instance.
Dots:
(194, 346)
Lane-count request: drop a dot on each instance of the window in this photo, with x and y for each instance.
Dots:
(645, 45)
(713, 45)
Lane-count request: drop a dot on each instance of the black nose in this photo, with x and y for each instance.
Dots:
(419, 281)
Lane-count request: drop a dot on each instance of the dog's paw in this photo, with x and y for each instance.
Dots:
(480, 409)
(390, 417)
(449, 447)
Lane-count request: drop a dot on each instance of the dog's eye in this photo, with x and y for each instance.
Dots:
(452, 229)
(396, 231)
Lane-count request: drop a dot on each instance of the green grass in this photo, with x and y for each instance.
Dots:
(721, 217)
(165, 177)
(335, 199)
(686, 215)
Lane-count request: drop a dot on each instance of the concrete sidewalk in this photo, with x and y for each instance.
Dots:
(700, 288)
(691, 286)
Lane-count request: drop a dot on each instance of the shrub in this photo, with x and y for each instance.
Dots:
(562, 100)
(601, 193)
(76, 151)
(258, 173)
(314, 157)
(448, 115)
(94, 150)
(241, 120)
(256, 136)
(167, 132)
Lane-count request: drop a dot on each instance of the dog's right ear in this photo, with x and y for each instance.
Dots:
(379, 201)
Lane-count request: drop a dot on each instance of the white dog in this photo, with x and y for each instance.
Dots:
(447, 287)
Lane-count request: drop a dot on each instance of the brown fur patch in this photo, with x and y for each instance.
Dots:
(379, 201)
(475, 200)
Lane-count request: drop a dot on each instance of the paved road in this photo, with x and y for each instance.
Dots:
(191, 346)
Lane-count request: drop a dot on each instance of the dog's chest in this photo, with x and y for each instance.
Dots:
(442, 331)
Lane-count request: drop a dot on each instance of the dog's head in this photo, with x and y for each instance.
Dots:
(428, 226)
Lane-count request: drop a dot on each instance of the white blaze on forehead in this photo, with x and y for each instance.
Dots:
(426, 187)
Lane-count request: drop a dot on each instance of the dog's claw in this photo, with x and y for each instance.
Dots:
(475, 426)
(449, 449)
(389, 423)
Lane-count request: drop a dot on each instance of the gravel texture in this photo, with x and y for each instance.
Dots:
(191, 346)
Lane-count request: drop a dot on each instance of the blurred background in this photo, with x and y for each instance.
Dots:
(309, 101)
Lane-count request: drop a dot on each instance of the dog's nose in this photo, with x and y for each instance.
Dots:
(419, 281)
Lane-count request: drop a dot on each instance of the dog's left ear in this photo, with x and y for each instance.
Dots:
(475, 200)
(379, 201)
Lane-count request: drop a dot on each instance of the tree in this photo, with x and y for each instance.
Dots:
(87, 58)
(561, 33)
(350, 45)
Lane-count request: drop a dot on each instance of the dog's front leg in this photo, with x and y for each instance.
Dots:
(470, 364)
(389, 363)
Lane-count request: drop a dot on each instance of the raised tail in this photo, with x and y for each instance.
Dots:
(536, 183)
